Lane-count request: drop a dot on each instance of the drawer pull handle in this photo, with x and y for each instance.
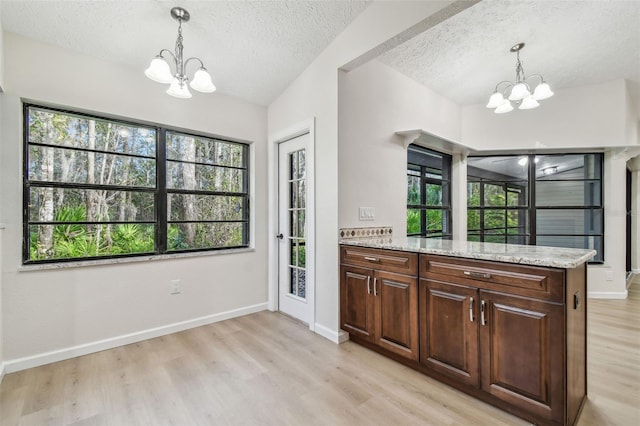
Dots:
(372, 259)
(368, 284)
(471, 309)
(375, 285)
(483, 320)
(477, 274)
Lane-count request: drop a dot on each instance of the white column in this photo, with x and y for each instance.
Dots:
(459, 196)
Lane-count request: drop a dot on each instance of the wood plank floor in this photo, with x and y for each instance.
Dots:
(266, 368)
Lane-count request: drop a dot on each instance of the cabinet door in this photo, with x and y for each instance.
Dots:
(356, 302)
(396, 298)
(521, 352)
(449, 330)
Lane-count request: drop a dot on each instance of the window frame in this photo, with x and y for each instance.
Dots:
(532, 206)
(159, 189)
(446, 231)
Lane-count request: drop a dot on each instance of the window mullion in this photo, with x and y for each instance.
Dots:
(161, 191)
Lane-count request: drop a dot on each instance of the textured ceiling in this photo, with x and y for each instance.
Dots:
(571, 43)
(253, 49)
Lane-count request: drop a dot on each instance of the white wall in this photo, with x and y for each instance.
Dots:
(588, 116)
(1, 52)
(314, 94)
(375, 101)
(56, 309)
(1, 242)
(1, 197)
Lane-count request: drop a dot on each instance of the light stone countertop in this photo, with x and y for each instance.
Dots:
(554, 257)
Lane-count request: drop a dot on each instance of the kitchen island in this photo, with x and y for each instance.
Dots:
(504, 323)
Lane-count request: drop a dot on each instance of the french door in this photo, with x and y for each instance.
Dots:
(293, 282)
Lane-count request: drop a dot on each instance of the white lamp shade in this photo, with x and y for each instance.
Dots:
(495, 100)
(543, 91)
(159, 71)
(179, 90)
(202, 82)
(529, 103)
(504, 107)
(519, 92)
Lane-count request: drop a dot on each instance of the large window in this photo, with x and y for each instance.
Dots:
(428, 193)
(99, 188)
(497, 200)
(547, 200)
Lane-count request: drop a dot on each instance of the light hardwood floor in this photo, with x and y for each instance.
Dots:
(266, 368)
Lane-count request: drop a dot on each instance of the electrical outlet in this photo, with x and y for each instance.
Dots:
(608, 275)
(175, 287)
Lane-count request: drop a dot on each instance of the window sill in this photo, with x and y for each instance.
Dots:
(153, 257)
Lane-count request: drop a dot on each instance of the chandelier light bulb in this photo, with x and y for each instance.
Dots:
(179, 89)
(160, 71)
(519, 92)
(504, 107)
(529, 103)
(495, 100)
(542, 91)
(202, 82)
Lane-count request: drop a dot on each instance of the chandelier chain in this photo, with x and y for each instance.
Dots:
(179, 59)
(520, 77)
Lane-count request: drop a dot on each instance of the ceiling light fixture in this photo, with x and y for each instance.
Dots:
(160, 71)
(520, 90)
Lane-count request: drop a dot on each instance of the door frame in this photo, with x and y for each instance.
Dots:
(291, 132)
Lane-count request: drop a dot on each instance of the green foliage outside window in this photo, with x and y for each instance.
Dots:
(92, 188)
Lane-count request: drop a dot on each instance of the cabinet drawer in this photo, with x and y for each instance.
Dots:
(387, 260)
(532, 281)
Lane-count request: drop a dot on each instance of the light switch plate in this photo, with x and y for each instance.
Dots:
(367, 213)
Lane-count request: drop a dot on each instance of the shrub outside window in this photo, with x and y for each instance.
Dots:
(98, 187)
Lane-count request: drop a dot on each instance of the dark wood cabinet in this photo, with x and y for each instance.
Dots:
(396, 300)
(356, 305)
(379, 306)
(512, 335)
(521, 352)
(449, 330)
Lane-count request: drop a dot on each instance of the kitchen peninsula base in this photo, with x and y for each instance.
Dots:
(512, 334)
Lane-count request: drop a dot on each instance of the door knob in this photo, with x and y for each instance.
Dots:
(279, 236)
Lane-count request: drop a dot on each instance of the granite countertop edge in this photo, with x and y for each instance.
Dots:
(554, 257)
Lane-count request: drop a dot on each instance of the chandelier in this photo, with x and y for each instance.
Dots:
(160, 71)
(520, 90)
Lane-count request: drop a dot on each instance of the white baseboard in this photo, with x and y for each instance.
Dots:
(74, 351)
(607, 294)
(636, 271)
(336, 337)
